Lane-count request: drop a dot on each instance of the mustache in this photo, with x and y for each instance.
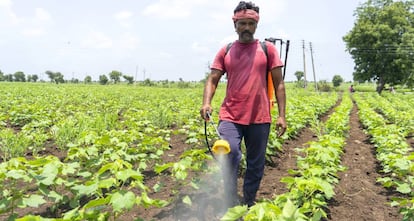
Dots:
(246, 32)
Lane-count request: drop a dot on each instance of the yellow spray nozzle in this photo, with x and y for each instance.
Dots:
(221, 147)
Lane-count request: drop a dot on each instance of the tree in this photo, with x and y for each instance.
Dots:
(55, 77)
(2, 77)
(130, 79)
(103, 79)
(410, 81)
(32, 78)
(88, 79)
(35, 77)
(115, 76)
(8, 77)
(148, 82)
(382, 42)
(337, 80)
(299, 75)
(19, 76)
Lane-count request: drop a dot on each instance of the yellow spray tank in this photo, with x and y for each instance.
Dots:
(221, 146)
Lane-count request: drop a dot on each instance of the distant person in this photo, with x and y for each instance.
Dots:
(392, 90)
(351, 88)
(245, 111)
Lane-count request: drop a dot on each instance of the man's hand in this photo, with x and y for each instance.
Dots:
(281, 126)
(204, 110)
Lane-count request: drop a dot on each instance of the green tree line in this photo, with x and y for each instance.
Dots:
(382, 43)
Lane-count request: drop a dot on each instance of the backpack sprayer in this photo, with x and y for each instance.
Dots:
(274, 40)
(221, 146)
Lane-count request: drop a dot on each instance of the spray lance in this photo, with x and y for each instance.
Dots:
(221, 146)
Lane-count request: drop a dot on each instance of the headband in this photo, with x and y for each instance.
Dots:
(247, 13)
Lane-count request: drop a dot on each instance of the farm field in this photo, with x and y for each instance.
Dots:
(124, 152)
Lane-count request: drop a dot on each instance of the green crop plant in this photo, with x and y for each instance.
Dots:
(12, 144)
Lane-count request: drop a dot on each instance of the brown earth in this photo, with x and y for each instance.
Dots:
(358, 196)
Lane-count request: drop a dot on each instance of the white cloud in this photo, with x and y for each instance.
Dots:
(167, 9)
(97, 40)
(123, 15)
(197, 47)
(172, 9)
(36, 26)
(33, 32)
(42, 15)
(5, 3)
(128, 41)
(227, 39)
(165, 55)
(7, 16)
(124, 18)
(271, 11)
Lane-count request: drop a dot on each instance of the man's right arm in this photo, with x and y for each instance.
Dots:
(209, 90)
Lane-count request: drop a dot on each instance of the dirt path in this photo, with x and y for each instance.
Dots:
(286, 160)
(358, 196)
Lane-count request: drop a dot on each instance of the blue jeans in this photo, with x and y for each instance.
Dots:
(255, 139)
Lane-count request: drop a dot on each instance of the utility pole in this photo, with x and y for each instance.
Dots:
(313, 66)
(136, 74)
(304, 64)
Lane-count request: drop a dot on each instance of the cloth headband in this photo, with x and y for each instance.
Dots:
(247, 13)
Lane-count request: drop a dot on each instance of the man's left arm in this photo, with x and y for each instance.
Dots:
(280, 93)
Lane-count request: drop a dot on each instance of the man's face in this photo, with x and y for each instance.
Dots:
(245, 28)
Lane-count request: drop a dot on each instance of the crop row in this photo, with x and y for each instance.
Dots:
(392, 151)
(393, 110)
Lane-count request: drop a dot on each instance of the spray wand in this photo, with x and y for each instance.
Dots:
(221, 146)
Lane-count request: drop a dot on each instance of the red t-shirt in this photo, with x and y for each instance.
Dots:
(246, 100)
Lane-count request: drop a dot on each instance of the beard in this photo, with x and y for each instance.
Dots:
(246, 35)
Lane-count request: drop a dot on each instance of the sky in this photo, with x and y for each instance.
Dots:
(166, 39)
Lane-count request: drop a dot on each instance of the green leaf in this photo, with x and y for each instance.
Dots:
(187, 200)
(404, 188)
(125, 174)
(159, 168)
(54, 195)
(145, 201)
(49, 173)
(107, 183)
(34, 201)
(157, 187)
(289, 210)
(96, 203)
(234, 213)
(86, 189)
(17, 174)
(122, 200)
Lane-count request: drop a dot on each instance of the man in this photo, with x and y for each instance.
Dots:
(245, 111)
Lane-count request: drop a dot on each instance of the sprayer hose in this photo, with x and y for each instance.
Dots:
(208, 144)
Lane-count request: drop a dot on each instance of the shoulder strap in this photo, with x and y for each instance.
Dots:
(228, 47)
(264, 47)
